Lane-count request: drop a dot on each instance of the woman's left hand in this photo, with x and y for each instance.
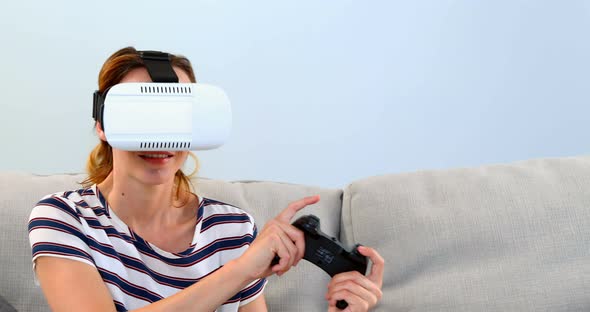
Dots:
(360, 292)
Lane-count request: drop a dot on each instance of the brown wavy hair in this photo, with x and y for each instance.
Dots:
(100, 160)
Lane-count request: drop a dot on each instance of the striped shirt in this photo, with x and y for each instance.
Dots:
(79, 225)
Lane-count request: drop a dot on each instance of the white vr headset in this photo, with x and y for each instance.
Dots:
(164, 115)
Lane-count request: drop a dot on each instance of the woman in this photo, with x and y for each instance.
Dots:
(133, 238)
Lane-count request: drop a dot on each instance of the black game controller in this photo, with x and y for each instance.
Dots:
(327, 252)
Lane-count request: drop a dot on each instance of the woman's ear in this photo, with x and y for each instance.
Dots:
(99, 131)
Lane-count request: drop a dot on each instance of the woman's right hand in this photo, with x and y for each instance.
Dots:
(277, 238)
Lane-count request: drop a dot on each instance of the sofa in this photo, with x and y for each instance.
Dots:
(502, 237)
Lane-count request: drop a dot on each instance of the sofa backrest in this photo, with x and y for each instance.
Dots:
(509, 237)
(301, 289)
(512, 237)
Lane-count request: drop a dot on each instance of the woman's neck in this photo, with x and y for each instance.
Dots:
(142, 206)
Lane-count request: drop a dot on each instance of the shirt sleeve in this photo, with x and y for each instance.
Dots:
(256, 288)
(252, 291)
(56, 230)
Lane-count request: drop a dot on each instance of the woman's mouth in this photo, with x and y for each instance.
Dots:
(156, 158)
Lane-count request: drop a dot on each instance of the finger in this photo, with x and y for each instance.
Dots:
(281, 245)
(356, 278)
(356, 283)
(341, 277)
(378, 264)
(283, 254)
(270, 233)
(297, 238)
(291, 249)
(354, 288)
(287, 214)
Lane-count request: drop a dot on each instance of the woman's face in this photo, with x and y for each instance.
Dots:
(150, 168)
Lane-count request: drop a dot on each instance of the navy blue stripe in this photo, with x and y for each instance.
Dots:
(255, 231)
(248, 292)
(94, 223)
(187, 252)
(112, 232)
(127, 287)
(223, 218)
(119, 306)
(209, 201)
(60, 205)
(82, 204)
(203, 253)
(56, 225)
(103, 202)
(253, 290)
(106, 250)
(52, 248)
(137, 265)
(235, 298)
(85, 192)
(98, 211)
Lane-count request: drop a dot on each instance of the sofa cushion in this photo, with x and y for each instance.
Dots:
(512, 237)
(18, 194)
(294, 291)
(5, 306)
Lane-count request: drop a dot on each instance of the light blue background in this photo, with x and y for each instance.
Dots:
(323, 92)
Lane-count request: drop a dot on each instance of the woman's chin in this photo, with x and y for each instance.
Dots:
(158, 176)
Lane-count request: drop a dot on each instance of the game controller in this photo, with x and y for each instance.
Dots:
(327, 252)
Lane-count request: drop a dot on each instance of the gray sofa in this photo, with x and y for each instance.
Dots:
(508, 237)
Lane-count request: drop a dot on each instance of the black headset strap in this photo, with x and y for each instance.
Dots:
(158, 66)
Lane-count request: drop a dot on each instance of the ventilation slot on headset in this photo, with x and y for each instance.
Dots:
(166, 89)
(165, 145)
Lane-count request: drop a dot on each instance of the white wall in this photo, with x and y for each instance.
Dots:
(323, 92)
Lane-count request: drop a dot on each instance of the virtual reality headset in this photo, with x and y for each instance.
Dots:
(163, 115)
